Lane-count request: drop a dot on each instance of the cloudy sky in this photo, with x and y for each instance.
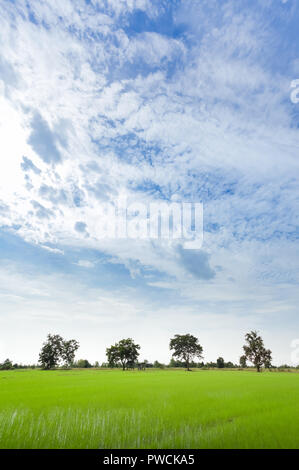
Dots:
(154, 100)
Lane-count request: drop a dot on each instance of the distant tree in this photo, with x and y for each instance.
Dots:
(243, 363)
(158, 365)
(50, 354)
(105, 364)
(22, 366)
(172, 363)
(229, 365)
(255, 351)
(211, 364)
(220, 363)
(96, 364)
(83, 364)
(68, 351)
(186, 347)
(6, 365)
(124, 352)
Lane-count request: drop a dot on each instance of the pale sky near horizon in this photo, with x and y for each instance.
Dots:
(160, 101)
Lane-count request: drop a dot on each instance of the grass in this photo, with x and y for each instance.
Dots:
(148, 409)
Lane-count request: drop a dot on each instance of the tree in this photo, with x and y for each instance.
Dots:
(68, 351)
(6, 365)
(220, 363)
(229, 365)
(51, 352)
(243, 361)
(186, 347)
(158, 365)
(255, 351)
(172, 363)
(211, 364)
(124, 352)
(56, 349)
(83, 364)
(112, 354)
(267, 358)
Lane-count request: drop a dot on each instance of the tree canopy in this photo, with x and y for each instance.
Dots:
(255, 351)
(56, 350)
(243, 363)
(186, 347)
(6, 365)
(220, 363)
(124, 352)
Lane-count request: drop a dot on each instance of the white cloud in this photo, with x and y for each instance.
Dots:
(83, 263)
(33, 307)
(52, 250)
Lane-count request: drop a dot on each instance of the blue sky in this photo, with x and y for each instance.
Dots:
(158, 101)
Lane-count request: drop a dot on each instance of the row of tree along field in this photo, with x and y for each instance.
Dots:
(85, 364)
(186, 349)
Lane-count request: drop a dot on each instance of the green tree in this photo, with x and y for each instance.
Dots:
(243, 363)
(229, 365)
(6, 365)
(211, 364)
(83, 364)
(68, 351)
(172, 363)
(112, 354)
(158, 365)
(220, 363)
(50, 354)
(186, 347)
(255, 351)
(124, 352)
(56, 350)
(267, 358)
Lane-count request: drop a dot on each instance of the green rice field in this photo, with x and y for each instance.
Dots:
(148, 409)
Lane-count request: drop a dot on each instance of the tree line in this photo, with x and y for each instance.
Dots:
(59, 352)
(125, 353)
